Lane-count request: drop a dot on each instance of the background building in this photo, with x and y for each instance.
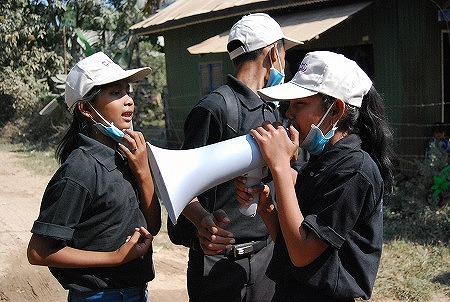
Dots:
(404, 46)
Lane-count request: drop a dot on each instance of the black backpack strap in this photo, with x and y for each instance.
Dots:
(233, 110)
(184, 232)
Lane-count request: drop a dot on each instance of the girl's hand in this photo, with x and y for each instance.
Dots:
(135, 246)
(265, 204)
(244, 195)
(136, 153)
(275, 145)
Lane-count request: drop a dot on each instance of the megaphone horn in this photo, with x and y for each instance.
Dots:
(181, 175)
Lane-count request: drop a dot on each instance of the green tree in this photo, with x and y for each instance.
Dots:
(43, 38)
(30, 54)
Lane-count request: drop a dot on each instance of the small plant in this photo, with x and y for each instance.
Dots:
(440, 186)
(418, 210)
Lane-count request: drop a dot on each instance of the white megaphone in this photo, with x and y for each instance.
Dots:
(181, 175)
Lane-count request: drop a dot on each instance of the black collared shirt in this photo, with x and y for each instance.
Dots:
(91, 203)
(340, 194)
(205, 125)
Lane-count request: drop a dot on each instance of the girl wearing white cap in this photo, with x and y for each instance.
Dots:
(99, 212)
(327, 221)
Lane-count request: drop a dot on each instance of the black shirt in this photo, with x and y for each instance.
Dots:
(91, 203)
(340, 194)
(207, 124)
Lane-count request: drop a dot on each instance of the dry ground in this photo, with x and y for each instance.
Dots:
(20, 195)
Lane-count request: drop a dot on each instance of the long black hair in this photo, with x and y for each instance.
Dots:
(80, 124)
(370, 122)
(70, 140)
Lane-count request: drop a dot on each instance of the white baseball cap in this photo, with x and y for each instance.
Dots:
(256, 31)
(323, 72)
(95, 70)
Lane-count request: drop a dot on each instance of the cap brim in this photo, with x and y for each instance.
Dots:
(289, 43)
(286, 91)
(133, 75)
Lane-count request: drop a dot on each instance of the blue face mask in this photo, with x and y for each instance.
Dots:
(110, 130)
(275, 77)
(315, 141)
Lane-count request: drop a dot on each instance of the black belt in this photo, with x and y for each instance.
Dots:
(239, 251)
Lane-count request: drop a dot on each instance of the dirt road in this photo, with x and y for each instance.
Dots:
(20, 195)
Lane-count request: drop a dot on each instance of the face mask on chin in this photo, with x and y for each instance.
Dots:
(315, 141)
(109, 130)
(275, 77)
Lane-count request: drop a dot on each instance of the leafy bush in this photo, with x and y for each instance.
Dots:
(39, 40)
(411, 212)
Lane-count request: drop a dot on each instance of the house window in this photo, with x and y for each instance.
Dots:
(210, 77)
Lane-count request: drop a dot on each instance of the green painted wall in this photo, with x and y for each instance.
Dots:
(405, 38)
(409, 70)
(402, 36)
(183, 72)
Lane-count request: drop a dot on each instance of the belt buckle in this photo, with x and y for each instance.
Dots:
(240, 250)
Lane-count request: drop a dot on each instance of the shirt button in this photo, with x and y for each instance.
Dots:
(311, 174)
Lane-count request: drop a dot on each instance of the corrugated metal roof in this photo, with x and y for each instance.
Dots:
(185, 8)
(302, 26)
(186, 12)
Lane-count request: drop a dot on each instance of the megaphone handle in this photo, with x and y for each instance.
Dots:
(253, 178)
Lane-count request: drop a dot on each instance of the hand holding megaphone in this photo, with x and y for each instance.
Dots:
(253, 177)
(274, 145)
(181, 175)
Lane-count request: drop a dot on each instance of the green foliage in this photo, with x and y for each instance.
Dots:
(411, 212)
(87, 45)
(148, 100)
(30, 36)
(441, 184)
(40, 39)
(28, 56)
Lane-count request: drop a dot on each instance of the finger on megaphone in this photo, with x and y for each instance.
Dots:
(265, 191)
(244, 198)
(240, 181)
(294, 135)
(265, 205)
(277, 124)
(243, 195)
(241, 185)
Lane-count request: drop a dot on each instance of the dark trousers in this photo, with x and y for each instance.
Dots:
(290, 291)
(132, 294)
(218, 278)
